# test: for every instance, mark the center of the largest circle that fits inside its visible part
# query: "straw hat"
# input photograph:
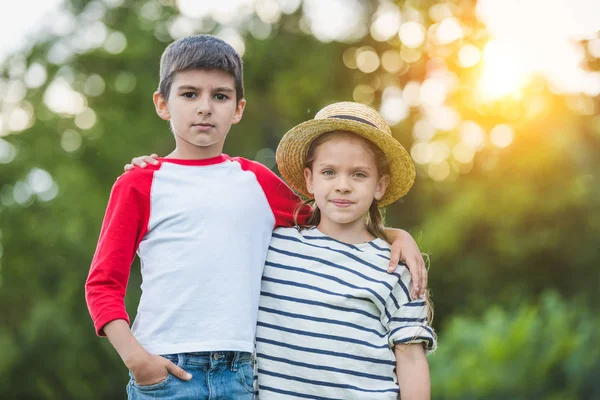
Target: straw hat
(352, 117)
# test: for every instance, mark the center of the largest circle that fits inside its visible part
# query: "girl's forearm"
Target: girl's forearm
(412, 371)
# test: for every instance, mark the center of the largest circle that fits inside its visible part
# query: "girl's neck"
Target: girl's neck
(352, 233)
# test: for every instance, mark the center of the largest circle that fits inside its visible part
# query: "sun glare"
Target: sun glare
(503, 72)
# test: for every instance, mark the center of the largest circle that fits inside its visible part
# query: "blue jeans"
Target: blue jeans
(218, 375)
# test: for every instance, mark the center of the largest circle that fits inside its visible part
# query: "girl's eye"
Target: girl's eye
(360, 175)
(221, 96)
(189, 95)
(327, 172)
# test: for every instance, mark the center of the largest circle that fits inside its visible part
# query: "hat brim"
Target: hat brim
(293, 147)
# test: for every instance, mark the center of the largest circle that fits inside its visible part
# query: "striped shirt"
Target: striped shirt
(329, 316)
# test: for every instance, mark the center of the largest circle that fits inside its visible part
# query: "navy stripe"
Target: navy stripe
(416, 339)
(295, 394)
(325, 368)
(395, 319)
(325, 352)
(321, 335)
(331, 240)
(380, 248)
(318, 303)
(328, 277)
(415, 304)
(428, 329)
(321, 290)
(326, 384)
(315, 288)
(350, 255)
(324, 320)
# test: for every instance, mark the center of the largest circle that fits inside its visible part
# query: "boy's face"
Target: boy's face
(201, 109)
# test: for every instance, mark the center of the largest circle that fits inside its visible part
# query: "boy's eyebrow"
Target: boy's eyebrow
(218, 89)
(224, 89)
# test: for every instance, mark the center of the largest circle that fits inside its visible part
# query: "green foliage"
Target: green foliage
(541, 351)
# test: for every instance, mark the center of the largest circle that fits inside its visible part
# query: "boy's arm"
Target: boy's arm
(147, 369)
(412, 370)
(124, 225)
(405, 248)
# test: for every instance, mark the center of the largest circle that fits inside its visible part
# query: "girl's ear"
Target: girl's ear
(161, 106)
(381, 187)
(308, 179)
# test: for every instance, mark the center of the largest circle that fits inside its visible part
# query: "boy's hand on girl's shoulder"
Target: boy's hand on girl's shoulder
(149, 369)
(142, 162)
(405, 248)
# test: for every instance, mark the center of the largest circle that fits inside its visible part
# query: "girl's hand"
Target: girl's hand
(142, 162)
(152, 369)
(406, 249)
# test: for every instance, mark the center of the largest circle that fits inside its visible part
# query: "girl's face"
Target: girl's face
(344, 180)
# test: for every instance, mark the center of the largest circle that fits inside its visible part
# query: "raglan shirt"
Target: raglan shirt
(201, 229)
(329, 317)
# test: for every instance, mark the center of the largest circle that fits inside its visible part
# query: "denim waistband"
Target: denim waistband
(212, 358)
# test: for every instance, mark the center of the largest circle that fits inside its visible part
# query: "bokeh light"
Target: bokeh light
(363, 94)
(386, 22)
(412, 34)
(501, 135)
(468, 56)
(393, 107)
(449, 31)
(391, 61)
(367, 59)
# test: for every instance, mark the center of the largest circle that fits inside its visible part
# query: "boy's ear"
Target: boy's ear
(161, 106)
(308, 180)
(239, 111)
(381, 187)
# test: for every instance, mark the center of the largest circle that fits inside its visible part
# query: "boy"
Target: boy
(201, 223)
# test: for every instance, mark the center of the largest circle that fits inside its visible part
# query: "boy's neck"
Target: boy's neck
(195, 154)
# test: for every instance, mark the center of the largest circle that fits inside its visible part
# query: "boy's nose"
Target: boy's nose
(203, 108)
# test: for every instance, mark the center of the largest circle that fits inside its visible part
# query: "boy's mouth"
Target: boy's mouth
(203, 127)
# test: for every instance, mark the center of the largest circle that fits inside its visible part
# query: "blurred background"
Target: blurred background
(497, 102)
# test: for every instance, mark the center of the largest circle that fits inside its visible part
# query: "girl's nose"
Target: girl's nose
(343, 185)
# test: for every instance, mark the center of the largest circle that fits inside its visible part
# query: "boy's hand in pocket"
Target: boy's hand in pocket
(152, 369)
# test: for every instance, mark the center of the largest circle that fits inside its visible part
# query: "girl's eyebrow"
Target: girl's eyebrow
(356, 167)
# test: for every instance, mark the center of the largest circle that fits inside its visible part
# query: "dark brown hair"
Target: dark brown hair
(200, 52)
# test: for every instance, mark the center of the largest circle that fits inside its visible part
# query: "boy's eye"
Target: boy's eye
(327, 172)
(189, 95)
(221, 96)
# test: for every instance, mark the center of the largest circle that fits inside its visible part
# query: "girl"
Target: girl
(333, 324)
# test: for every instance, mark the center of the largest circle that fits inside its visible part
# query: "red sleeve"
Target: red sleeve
(125, 224)
(281, 197)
